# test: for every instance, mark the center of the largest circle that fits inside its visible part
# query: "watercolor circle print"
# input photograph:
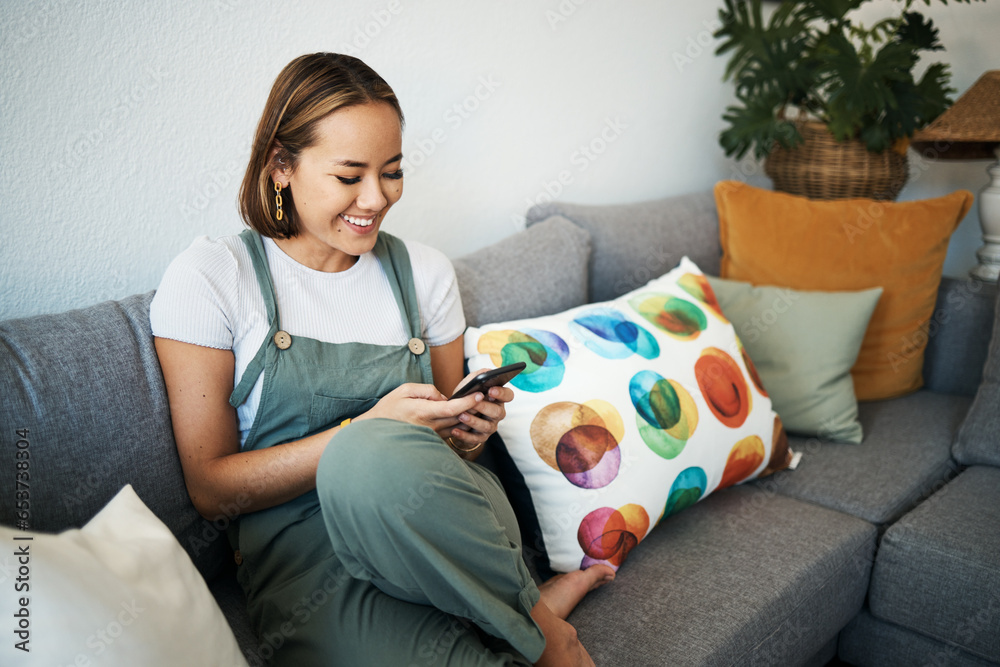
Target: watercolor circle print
(629, 411)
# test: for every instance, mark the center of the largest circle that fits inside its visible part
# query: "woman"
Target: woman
(307, 363)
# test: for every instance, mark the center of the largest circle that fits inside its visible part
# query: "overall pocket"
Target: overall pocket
(327, 411)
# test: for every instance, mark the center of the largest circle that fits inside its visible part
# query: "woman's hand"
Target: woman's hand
(480, 423)
(422, 405)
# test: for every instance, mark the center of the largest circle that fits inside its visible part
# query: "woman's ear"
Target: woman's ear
(280, 167)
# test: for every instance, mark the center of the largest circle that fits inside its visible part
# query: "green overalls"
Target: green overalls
(405, 554)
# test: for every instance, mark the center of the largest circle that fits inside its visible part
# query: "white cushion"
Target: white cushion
(628, 411)
(119, 591)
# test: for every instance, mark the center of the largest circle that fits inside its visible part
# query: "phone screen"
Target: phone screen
(492, 378)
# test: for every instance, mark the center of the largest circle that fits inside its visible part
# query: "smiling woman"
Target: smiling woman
(308, 363)
(343, 184)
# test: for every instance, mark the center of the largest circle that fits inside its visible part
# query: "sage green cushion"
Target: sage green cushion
(803, 345)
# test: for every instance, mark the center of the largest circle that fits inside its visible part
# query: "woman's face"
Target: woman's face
(343, 185)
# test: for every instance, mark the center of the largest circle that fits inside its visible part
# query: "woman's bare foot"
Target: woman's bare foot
(563, 592)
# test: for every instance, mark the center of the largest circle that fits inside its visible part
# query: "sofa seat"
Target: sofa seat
(233, 603)
(726, 587)
(905, 457)
(949, 543)
(871, 642)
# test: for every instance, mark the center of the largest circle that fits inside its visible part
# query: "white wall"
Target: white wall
(126, 129)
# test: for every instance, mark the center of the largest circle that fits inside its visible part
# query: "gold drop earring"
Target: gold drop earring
(280, 215)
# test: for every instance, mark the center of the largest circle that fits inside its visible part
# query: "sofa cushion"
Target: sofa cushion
(629, 410)
(978, 442)
(905, 457)
(869, 642)
(803, 345)
(85, 389)
(540, 271)
(120, 588)
(774, 238)
(958, 336)
(741, 578)
(937, 570)
(634, 243)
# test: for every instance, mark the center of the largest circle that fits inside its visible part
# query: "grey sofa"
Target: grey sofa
(886, 553)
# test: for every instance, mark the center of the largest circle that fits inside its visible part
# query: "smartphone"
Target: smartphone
(491, 378)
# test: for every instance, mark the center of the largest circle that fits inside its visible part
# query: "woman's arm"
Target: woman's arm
(447, 362)
(199, 381)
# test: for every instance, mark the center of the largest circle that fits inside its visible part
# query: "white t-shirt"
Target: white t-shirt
(209, 296)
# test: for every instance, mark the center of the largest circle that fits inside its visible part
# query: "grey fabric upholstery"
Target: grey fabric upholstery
(233, 604)
(634, 243)
(538, 272)
(87, 388)
(959, 336)
(905, 457)
(869, 642)
(979, 440)
(823, 656)
(938, 568)
(740, 578)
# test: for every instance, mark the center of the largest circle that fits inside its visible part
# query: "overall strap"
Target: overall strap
(256, 248)
(391, 252)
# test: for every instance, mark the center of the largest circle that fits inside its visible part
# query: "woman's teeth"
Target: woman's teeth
(360, 222)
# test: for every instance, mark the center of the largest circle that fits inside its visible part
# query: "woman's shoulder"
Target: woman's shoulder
(207, 256)
(200, 291)
(426, 259)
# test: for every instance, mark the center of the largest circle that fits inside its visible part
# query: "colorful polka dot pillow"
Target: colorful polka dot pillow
(628, 412)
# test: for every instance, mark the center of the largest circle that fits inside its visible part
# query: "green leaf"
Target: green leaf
(919, 32)
(755, 125)
(833, 10)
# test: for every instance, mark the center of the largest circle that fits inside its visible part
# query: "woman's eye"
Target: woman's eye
(395, 175)
(349, 181)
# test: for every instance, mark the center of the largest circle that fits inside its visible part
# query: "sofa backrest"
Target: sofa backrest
(82, 393)
(539, 271)
(958, 336)
(633, 243)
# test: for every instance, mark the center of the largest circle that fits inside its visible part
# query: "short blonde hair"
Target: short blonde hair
(307, 90)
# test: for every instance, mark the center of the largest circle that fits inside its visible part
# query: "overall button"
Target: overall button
(416, 346)
(283, 340)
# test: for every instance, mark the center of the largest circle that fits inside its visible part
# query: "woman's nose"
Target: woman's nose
(371, 197)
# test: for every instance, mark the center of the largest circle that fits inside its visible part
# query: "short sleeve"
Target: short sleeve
(442, 317)
(197, 298)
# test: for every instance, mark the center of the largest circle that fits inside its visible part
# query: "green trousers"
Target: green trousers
(414, 559)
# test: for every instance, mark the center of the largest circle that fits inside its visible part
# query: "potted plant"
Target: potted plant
(828, 102)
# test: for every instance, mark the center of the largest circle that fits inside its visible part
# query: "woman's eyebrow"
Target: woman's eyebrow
(363, 165)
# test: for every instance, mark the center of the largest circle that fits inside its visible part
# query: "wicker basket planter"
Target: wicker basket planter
(823, 168)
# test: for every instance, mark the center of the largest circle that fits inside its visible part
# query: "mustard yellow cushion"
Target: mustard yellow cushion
(773, 238)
